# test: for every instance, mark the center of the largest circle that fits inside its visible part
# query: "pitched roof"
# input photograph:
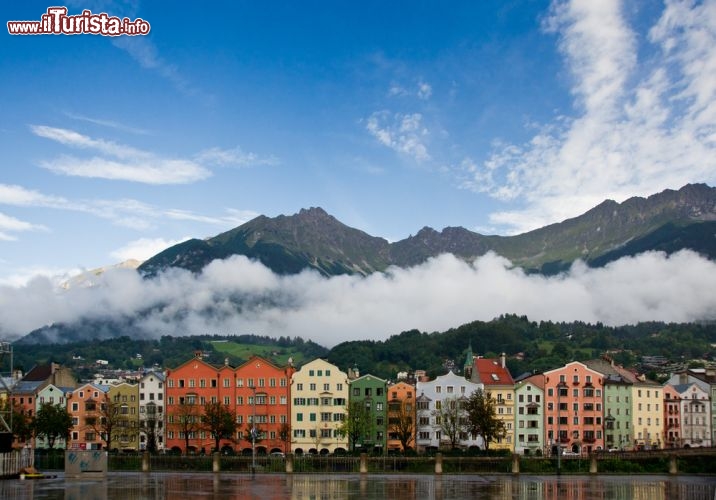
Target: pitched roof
(491, 372)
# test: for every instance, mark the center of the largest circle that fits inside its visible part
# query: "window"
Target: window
(326, 387)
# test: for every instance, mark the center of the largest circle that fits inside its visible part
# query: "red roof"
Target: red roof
(491, 372)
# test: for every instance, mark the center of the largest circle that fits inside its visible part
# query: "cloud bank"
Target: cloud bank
(239, 296)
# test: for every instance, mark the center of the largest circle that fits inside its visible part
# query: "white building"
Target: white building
(151, 409)
(695, 415)
(431, 396)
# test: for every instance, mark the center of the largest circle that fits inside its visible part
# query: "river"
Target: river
(226, 486)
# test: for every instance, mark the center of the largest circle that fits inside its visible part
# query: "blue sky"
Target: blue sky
(493, 115)
(497, 116)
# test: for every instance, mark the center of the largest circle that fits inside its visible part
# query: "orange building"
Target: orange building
(189, 387)
(269, 401)
(86, 405)
(573, 414)
(401, 415)
(257, 387)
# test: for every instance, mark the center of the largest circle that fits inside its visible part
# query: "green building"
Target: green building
(368, 413)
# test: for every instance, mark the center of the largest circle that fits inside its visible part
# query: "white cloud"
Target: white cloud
(641, 126)
(404, 133)
(442, 293)
(149, 171)
(233, 158)
(134, 165)
(125, 212)
(11, 194)
(107, 123)
(425, 90)
(422, 90)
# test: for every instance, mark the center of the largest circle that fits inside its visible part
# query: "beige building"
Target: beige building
(647, 414)
(319, 392)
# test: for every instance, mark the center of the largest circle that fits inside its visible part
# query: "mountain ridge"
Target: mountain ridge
(314, 239)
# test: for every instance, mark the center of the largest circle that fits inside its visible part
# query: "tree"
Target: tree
(52, 422)
(482, 417)
(450, 417)
(219, 422)
(284, 434)
(401, 422)
(111, 423)
(22, 427)
(357, 423)
(149, 426)
(186, 419)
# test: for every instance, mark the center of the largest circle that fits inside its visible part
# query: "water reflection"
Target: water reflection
(120, 486)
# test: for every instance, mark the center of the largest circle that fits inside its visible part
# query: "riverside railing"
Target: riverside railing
(13, 462)
(647, 463)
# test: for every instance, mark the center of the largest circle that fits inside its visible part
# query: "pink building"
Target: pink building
(573, 413)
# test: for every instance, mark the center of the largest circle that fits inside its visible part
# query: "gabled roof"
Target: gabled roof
(27, 386)
(38, 373)
(537, 380)
(491, 373)
(369, 378)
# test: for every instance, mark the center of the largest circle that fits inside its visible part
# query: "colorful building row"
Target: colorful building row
(580, 407)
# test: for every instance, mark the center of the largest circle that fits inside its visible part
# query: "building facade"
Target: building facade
(433, 396)
(573, 394)
(151, 411)
(401, 417)
(122, 415)
(529, 416)
(319, 392)
(86, 405)
(695, 410)
(52, 395)
(672, 417)
(498, 383)
(263, 401)
(368, 399)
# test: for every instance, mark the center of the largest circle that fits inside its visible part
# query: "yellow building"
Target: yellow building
(319, 392)
(498, 382)
(122, 416)
(647, 414)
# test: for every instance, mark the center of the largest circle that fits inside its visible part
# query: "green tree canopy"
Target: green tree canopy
(219, 422)
(52, 422)
(482, 417)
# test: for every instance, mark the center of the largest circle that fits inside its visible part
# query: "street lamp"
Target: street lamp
(253, 432)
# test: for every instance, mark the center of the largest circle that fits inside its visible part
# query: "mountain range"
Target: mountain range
(668, 221)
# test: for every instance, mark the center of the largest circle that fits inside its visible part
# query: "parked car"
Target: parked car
(570, 454)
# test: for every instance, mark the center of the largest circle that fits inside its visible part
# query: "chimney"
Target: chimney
(226, 361)
(502, 360)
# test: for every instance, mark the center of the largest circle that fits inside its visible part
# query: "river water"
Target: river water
(226, 486)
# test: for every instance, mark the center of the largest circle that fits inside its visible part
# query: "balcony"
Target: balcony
(589, 440)
(564, 439)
